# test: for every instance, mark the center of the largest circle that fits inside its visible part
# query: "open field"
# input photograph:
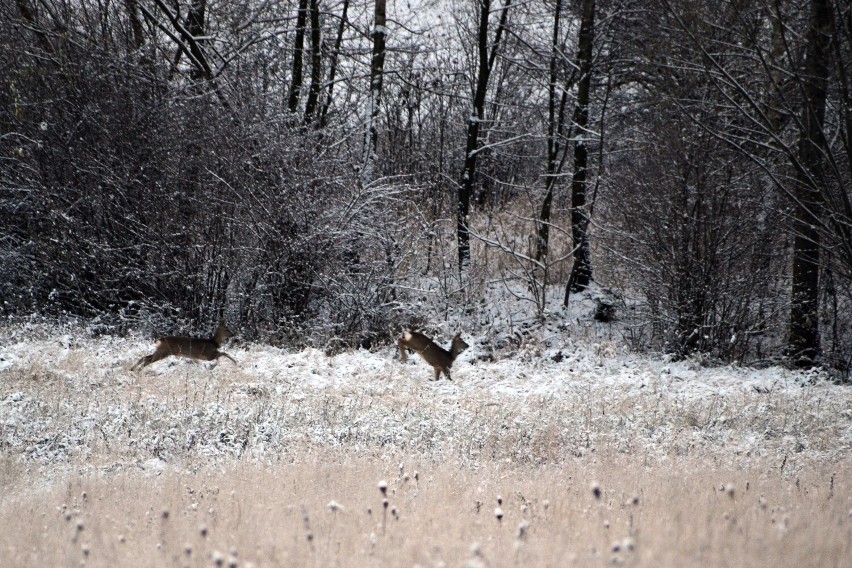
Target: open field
(278, 461)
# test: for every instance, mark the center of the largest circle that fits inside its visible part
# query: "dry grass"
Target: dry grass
(184, 465)
(326, 509)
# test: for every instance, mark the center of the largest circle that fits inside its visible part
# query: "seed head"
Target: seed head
(596, 490)
(383, 487)
(498, 512)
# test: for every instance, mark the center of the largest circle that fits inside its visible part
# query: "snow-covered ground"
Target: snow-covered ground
(71, 400)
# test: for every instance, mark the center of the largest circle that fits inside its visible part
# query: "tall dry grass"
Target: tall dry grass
(277, 462)
(326, 509)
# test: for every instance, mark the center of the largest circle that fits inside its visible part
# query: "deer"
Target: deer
(431, 352)
(191, 347)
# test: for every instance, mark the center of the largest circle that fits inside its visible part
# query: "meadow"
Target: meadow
(558, 452)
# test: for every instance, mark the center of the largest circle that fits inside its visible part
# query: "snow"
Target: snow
(520, 393)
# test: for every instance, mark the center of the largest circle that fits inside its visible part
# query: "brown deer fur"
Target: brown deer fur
(432, 353)
(190, 347)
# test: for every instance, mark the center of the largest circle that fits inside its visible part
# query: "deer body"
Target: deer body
(190, 347)
(440, 359)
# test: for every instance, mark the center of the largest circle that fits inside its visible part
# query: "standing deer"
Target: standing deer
(432, 353)
(191, 347)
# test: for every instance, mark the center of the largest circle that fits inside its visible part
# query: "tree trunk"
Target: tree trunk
(555, 125)
(472, 143)
(804, 341)
(316, 63)
(135, 24)
(377, 66)
(298, 53)
(581, 272)
(194, 28)
(332, 72)
(195, 21)
(477, 117)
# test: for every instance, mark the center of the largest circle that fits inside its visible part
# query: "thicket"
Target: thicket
(157, 173)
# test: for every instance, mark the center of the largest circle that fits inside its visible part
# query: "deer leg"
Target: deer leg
(228, 357)
(148, 359)
(403, 352)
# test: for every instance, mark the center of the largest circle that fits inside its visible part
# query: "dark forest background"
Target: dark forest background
(329, 171)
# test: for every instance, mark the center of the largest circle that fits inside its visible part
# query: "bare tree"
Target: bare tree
(298, 54)
(485, 56)
(803, 341)
(556, 102)
(581, 272)
(377, 66)
(332, 71)
(316, 63)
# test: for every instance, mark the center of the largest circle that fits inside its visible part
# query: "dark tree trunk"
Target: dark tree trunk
(30, 15)
(298, 54)
(135, 24)
(555, 126)
(474, 124)
(332, 72)
(581, 272)
(472, 144)
(316, 64)
(377, 66)
(804, 340)
(187, 37)
(195, 26)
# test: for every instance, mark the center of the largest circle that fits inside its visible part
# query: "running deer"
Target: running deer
(190, 347)
(432, 353)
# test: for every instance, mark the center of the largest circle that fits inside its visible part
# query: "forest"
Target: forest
(328, 172)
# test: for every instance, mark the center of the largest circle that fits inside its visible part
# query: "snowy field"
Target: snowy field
(551, 414)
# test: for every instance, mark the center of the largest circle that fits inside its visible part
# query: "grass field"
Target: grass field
(594, 457)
